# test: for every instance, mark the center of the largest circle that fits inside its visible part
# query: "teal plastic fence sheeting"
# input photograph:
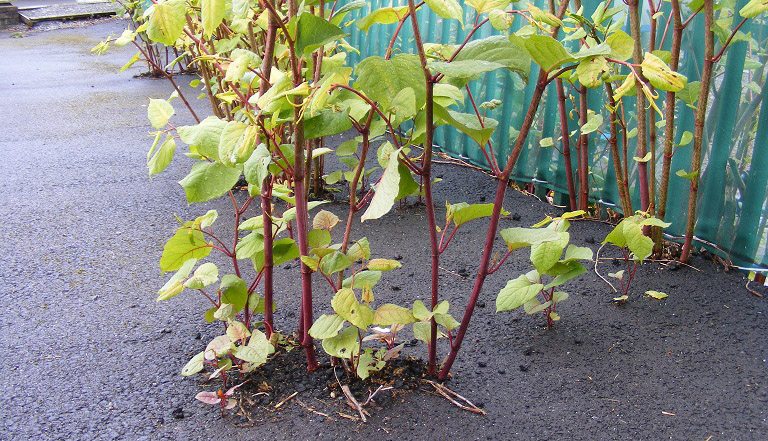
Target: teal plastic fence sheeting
(732, 213)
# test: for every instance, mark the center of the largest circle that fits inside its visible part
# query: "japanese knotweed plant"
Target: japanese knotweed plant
(634, 245)
(276, 77)
(555, 262)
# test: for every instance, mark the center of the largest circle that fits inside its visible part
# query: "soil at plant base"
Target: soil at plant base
(87, 354)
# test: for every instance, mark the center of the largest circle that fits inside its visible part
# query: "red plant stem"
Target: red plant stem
(213, 236)
(728, 41)
(490, 159)
(583, 152)
(266, 186)
(169, 76)
(236, 233)
(443, 246)
(566, 140)
(669, 129)
(299, 192)
(642, 167)
(426, 175)
(493, 225)
(698, 133)
(209, 298)
(652, 125)
(621, 182)
(498, 265)
(353, 187)
(400, 24)
(404, 159)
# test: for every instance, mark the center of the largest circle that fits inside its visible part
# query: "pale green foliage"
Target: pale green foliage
(552, 268)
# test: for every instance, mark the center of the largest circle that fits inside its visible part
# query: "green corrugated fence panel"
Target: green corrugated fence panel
(732, 211)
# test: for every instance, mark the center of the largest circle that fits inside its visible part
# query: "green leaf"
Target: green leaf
(237, 142)
(225, 312)
(234, 291)
(236, 331)
(256, 168)
(517, 292)
(212, 13)
(483, 6)
(241, 60)
(497, 49)
(326, 326)
(194, 365)
(474, 211)
(661, 75)
(468, 124)
(686, 138)
(593, 51)
(347, 148)
(367, 363)
(257, 350)
(627, 88)
(382, 16)
(423, 331)
(446, 321)
(754, 8)
(334, 263)
(176, 283)
(594, 121)
(547, 52)
(645, 158)
(283, 250)
(343, 345)
(577, 253)
(203, 138)
(389, 314)
(383, 264)
(559, 296)
(420, 311)
(319, 238)
(249, 246)
(450, 9)
(544, 255)
(360, 250)
(517, 237)
(500, 20)
(167, 21)
(346, 305)
(386, 190)
(629, 233)
(185, 244)
(381, 80)
(685, 175)
(206, 274)
(690, 93)
(622, 45)
(326, 122)
(658, 295)
(209, 180)
(362, 280)
(567, 271)
(314, 32)
(590, 72)
(159, 112)
(655, 222)
(325, 220)
(160, 160)
(347, 8)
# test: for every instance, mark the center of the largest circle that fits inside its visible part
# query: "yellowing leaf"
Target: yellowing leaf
(657, 294)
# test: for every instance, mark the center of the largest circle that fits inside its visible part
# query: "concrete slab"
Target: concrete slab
(68, 11)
